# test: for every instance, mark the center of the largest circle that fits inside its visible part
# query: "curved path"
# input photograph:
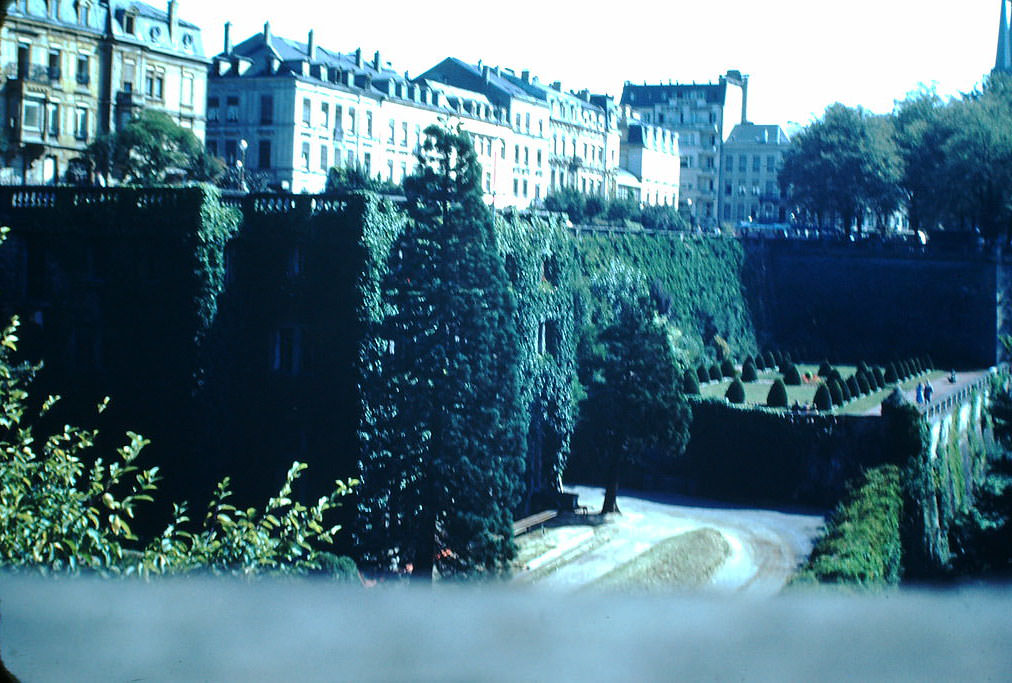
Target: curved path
(765, 546)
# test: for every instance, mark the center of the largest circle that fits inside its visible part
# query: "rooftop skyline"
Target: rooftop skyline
(800, 57)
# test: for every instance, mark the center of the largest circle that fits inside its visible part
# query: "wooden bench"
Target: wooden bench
(522, 526)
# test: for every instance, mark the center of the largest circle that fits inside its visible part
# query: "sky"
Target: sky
(800, 55)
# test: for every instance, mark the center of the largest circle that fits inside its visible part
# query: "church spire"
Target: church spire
(1003, 59)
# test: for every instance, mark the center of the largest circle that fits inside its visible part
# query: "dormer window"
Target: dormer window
(128, 23)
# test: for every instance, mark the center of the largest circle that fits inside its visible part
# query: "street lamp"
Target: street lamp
(243, 146)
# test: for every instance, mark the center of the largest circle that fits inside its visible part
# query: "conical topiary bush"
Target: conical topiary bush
(791, 375)
(690, 383)
(748, 372)
(823, 399)
(777, 398)
(735, 392)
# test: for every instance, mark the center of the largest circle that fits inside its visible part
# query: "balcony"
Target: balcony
(34, 73)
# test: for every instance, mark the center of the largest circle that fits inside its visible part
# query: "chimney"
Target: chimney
(267, 32)
(228, 37)
(173, 19)
(358, 57)
(376, 63)
(311, 47)
(557, 85)
(525, 76)
(744, 99)
(486, 73)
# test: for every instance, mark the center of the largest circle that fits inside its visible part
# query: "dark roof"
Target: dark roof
(753, 133)
(496, 86)
(146, 10)
(639, 95)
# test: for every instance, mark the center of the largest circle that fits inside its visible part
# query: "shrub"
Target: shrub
(771, 360)
(824, 369)
(593, 207)
(862, 368)
(703, 374)
(891, 375)
(853, 386)
(823, 399)
(863, 383)
(690, 383)
(760, 362)
(727, 368)
(748, 372)
(905, 370)
(787, 357)
(835, 393)
(879, 376)
(844, 390)
(735, 392)
(620, 210)
(929, 364)
(777, 398)
(778, 358)
(791, 375)
(835, 374)
(662, 218)
(748, 359)
(715, 373)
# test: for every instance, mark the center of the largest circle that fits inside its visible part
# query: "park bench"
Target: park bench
(522, 526)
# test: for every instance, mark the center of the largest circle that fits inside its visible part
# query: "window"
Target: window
(729, 162)
(81, 123)
(307, 111)
(350, 159)
(31, 119)
(232, 108)
(771, 163)
(518, 121)
(266, 109)
(525, 188)
(325, 115)
(516, 187)
(742, 163)
(391, 132)
(404, 134)
(351, 120)
(154, 84)
(527, 156)
(367, 163)
(305, 155)
(488, 181)
(728, 189)
(128, 24)
(390, 171)
(186, 97)
(230, 151)
(263, 154)
(129, 75)
(53, 118)
(212, 108)
(516, 154)
(539, 158)
(756, 160)
(541, 127)
(368, 124)
(323, 158)
(212, 148)
(527, 122)
(404, 170)
(338, 120)
(55, 57)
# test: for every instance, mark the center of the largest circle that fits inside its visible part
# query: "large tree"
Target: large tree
(150, 148)
(444, 452)
(634, 410)
(843, 166)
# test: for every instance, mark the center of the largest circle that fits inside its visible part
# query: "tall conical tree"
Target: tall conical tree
(442, 463)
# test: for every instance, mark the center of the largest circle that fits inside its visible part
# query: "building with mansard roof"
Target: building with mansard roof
(753, 157)
(73, 69)
(301, 109)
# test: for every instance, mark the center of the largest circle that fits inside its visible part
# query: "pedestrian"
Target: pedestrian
(952, 376)
(928, 392)
(920, 393)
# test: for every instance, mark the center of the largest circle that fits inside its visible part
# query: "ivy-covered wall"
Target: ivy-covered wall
(699, 280)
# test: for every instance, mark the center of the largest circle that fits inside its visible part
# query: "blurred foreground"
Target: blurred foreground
(219, 630)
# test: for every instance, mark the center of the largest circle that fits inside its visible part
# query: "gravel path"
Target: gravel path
(766, 546)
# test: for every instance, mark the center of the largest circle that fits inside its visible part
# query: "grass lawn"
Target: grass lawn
(756, 392)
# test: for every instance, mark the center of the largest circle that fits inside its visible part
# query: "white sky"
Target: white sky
(801, 55)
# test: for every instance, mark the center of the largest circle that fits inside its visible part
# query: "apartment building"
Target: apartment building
(73, 69)
(703, 115)
(753, 157)
(649, 162)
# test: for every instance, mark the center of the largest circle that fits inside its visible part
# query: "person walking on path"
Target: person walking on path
(928, 391)
(920, 392)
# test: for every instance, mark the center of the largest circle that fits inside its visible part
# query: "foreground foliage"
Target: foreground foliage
(59, 514)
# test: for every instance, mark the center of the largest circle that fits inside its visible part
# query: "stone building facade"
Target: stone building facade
(703, 115)
(73, 69)
(753, 157)
(649, 162)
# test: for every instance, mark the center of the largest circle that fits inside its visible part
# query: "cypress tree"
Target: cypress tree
(777, 398)
(441, 470)
(891, 375)
(853, 387)
(824, 369)
(715, 373)
(823, 399)
(748, 372)
(735, 392)
(863, 384)
(791, 375)
(727, 368)
(835, 392)
(760, 362)
(702, 374)
(879, 376)
(690, 383)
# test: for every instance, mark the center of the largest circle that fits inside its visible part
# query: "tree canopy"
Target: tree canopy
(149, 149)
(441, 470)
